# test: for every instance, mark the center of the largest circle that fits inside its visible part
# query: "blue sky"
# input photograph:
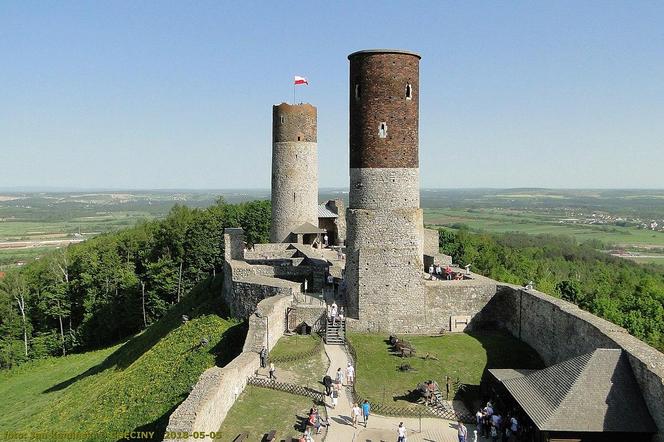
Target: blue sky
(157, 94)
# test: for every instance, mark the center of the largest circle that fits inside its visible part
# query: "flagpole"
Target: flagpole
(293, 91)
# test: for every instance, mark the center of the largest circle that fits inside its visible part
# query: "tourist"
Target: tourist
(474, 435)
(401, 433)
(479, 416)
(494, 434)
(326, 240)
(366, 409)
(514, 426)
(448, 272)
(263, 356)
(431, 269)
(355, 414)
(350, 374)
(439, 270)
(333, 312)
(462, 431)
(335, 395)
(272, 372)
(330, 280)
(340, 377)
(327, 382)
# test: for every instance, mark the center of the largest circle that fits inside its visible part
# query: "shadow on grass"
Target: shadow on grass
(201, 300)
(502, 351)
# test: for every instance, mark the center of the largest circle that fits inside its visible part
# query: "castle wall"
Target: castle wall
(559, 330)
(217, 388)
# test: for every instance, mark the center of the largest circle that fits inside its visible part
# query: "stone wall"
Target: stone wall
(384, 188)
(217, 388)
(248, 292)
(559, 330)
(294, 188)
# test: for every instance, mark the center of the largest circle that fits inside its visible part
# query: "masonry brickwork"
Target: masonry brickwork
(294, 170)
(384, 220)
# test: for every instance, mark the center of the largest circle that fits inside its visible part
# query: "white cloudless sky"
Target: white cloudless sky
(128, 94)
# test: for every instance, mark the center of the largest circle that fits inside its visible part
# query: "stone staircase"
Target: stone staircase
(335, 334)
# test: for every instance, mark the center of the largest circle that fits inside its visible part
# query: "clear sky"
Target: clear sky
(157, 94)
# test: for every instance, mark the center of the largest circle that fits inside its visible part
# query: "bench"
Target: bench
(241, 437)
(271, 436)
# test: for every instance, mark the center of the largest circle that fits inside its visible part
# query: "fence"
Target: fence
(404, 410)
(317, 396)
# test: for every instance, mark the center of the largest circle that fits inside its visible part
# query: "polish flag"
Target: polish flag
(301, 80)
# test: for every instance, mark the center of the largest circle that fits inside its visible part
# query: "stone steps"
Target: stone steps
(335, 334)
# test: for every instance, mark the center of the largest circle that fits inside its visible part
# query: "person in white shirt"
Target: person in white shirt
(355, 413)
(401, 433)
(350, 374)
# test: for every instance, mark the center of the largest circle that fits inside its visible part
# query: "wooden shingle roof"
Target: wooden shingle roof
(594, 392)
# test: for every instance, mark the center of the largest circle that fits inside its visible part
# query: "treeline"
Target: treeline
(109, 287)
(616, 289)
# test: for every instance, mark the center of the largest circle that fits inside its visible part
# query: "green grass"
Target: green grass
(259, 410)
(503, 221)
(294, 345)
(462, 356)
(132, 386)
(308, 371)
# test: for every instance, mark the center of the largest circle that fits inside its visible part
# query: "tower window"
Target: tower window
(382, 130)
(409, 92)
(358, 91)
(298, 138)
(282, 119)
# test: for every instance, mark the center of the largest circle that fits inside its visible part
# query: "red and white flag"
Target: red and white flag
(301, 80)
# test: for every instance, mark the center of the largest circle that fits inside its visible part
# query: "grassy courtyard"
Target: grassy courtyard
(462, 356)
(259, 410)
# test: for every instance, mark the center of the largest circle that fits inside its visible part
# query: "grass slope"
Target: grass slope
(132, 386)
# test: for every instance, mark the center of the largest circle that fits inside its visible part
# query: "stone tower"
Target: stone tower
(294, 170)
(384, 221)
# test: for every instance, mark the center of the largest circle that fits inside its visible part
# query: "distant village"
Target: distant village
(602, 218)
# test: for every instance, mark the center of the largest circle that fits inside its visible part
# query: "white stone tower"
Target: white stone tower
(294, 170)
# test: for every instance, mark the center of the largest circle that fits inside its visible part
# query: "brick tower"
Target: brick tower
(294, 170)
(384, 220)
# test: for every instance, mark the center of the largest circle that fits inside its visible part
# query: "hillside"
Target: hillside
(131, 386)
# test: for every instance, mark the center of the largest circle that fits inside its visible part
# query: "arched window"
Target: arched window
(382, 130)
(282, 119)
(409, 92)
(358, 91)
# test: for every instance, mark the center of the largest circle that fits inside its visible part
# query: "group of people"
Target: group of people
(447, 273)
(333, 387)
(491, 424)
(314, 422)
(334, 312)
(360, 410)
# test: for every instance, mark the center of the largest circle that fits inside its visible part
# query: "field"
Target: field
(32, 223)
(498, 220)
(129, 387)
(462, 356)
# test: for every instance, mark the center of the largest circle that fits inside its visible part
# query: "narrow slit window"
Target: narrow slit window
(409, 92)
(298, 138)
(358, 91)
(282, 119)
(382, 130)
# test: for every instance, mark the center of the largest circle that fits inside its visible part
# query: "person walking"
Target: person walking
(366, 409)
(272, 371)
(263, 356)
(401, 433)
(350, 374)
(327, 382)
(355, 414)
(340, 377)
(335, 395)
(462, 431)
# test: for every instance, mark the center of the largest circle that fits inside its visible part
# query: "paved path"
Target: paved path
(379, 428)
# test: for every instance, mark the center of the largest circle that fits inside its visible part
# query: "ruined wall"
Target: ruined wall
(559, 330)
(217, 388)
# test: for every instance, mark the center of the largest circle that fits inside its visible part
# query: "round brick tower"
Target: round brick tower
(294, 169)
(384, 220)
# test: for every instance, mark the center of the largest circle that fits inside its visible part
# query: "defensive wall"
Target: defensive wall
(217, 388)
(559, 330)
